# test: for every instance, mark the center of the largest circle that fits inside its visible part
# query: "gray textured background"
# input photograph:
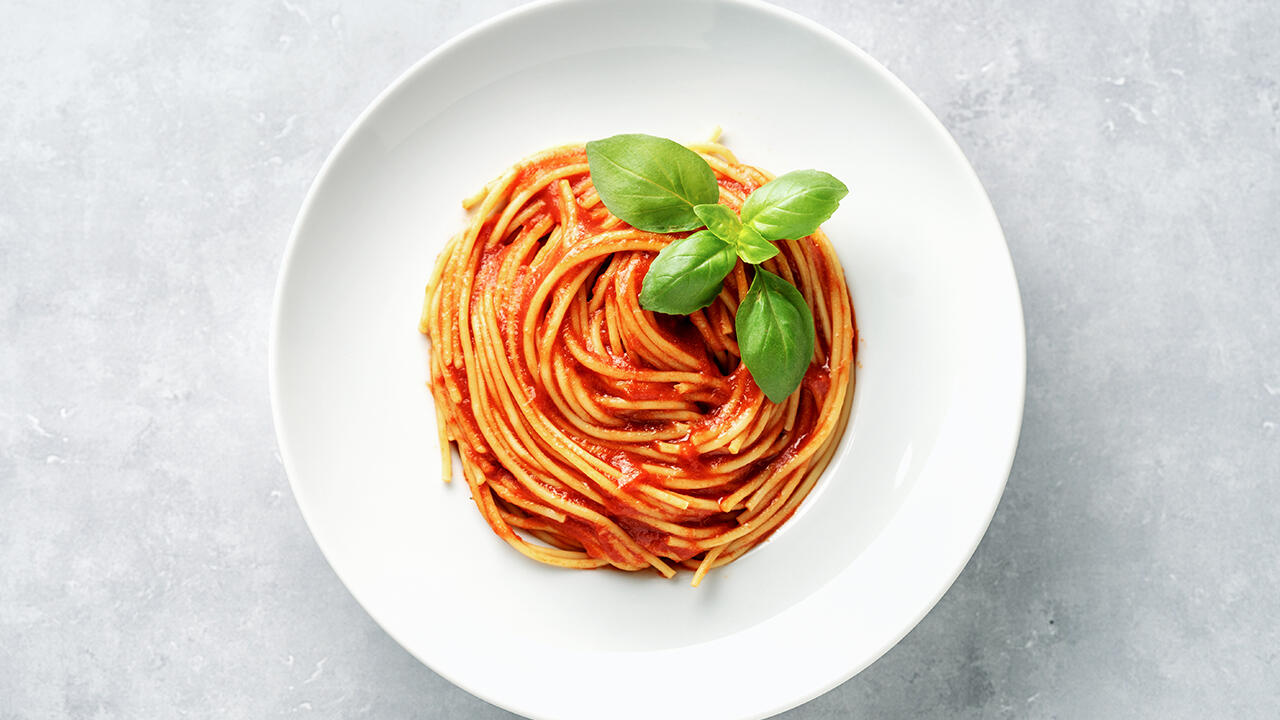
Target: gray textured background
(154, 564)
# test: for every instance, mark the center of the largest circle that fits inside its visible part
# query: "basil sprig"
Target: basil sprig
(661, 186)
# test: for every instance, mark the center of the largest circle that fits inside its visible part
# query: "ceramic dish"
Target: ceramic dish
(913, 485)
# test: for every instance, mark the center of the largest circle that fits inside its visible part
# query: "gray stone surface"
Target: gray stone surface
(154, 564)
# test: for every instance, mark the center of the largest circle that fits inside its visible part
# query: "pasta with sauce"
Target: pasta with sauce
(595, 433)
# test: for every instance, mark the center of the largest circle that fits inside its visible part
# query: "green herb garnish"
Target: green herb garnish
(661, 186)
(779, 344)
(687, 274)
(651, 182)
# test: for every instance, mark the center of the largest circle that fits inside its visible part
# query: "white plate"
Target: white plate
(895, 517)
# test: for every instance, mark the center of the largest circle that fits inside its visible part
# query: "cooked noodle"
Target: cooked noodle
(593, 432)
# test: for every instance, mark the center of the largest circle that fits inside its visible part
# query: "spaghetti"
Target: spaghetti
(592, 432)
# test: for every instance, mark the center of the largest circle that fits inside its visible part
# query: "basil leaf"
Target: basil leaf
(720, 220)
(748, 243)
(687, 274)
(651, 182)
(775, 335)
(793, 205)
(752, 247)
